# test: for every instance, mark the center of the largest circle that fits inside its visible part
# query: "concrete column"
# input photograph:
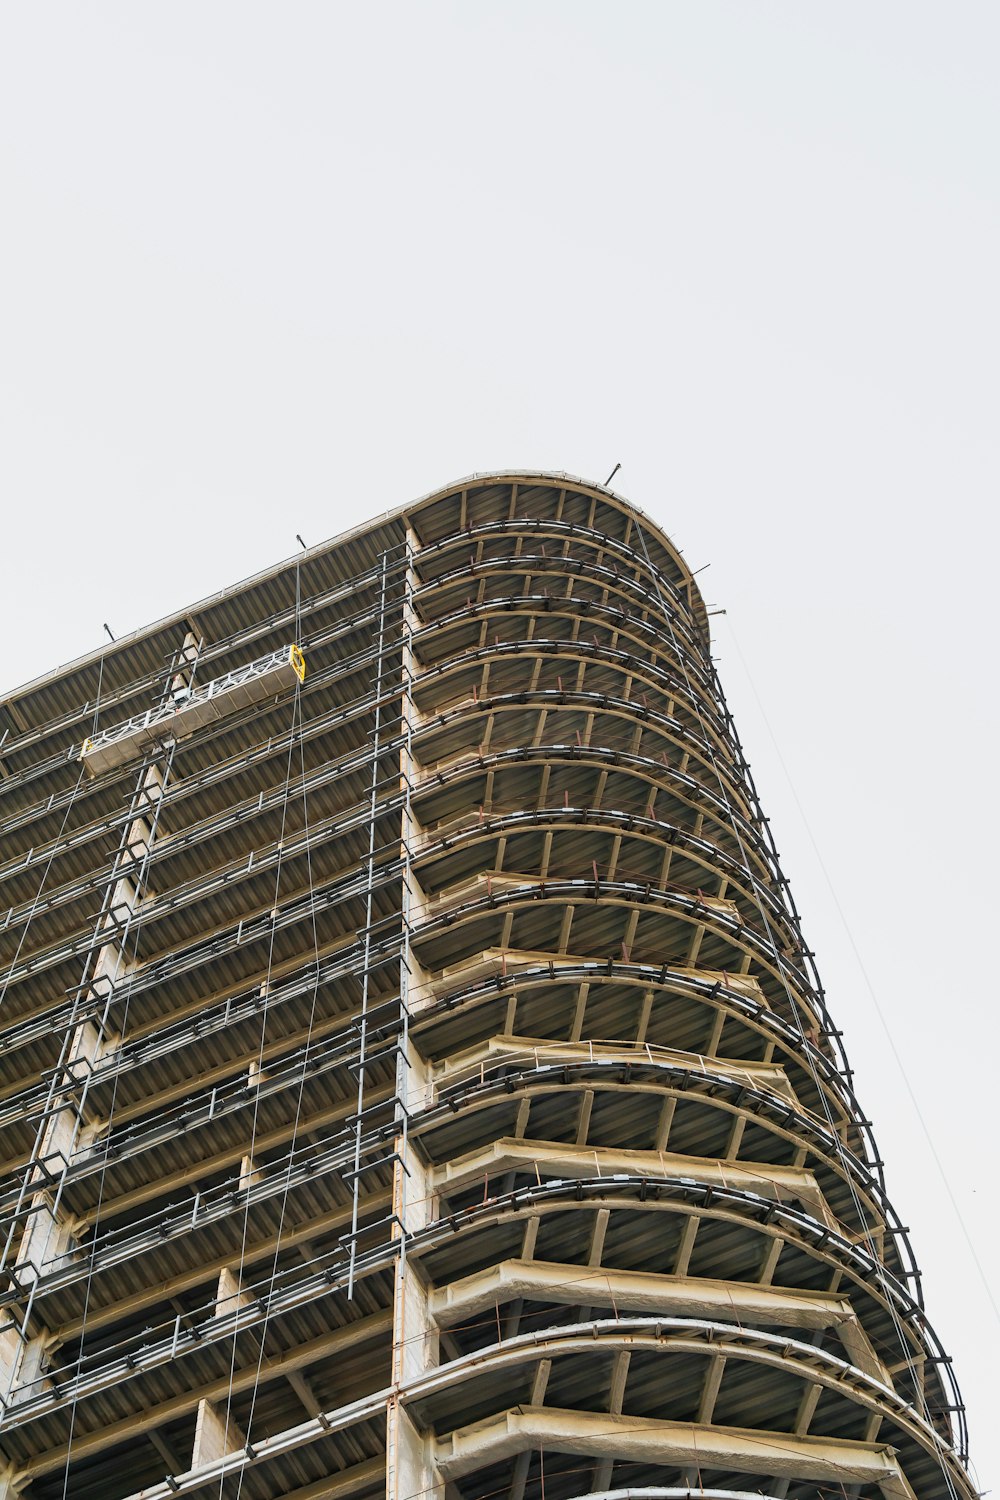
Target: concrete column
(214, 1435)
(410, 1470)
(419, 903)
(229, 1294)
(420, 988)
(180, 683)
(11, 1484)
(409, 1466)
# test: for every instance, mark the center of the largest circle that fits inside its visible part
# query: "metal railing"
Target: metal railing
(165, 713)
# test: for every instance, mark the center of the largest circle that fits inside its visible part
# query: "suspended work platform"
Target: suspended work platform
(188, 710)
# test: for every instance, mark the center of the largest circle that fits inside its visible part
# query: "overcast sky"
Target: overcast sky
(270, 269)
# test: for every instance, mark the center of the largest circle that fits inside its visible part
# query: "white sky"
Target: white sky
(274, 268)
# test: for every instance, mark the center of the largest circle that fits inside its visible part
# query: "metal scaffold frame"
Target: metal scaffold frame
(106, 963)
(418, 1082)
(362, 1062)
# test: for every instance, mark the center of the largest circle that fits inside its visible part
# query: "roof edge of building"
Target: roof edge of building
(399, 512)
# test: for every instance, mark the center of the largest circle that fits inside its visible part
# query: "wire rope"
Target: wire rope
(296, 713)
(298, 716)
(3, 993)
(859, 1210)
(79, 1113)
(56, 841)
(50, 1095)
(302, 1081)
(869, 985)
(41, 887)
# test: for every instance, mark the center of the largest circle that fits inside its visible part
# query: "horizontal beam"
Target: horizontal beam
(645, 1440)
(548, 1053)
(649, 1292)
(555, 1159)
(347, 1482)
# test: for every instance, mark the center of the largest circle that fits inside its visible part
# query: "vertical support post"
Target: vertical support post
(365, 978)
(403, 1060)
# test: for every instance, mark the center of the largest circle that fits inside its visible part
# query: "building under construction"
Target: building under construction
(414, 1080)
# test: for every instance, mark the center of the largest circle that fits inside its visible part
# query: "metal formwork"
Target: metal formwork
(414, 1078)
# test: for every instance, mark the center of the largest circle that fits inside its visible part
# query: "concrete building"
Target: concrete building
(414, 1080)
